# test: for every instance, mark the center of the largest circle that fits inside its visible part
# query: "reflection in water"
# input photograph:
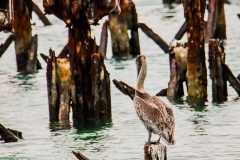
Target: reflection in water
(57, 126)
(90, 126)
(25, 81)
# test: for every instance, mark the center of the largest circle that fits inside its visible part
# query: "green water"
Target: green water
(203, 131)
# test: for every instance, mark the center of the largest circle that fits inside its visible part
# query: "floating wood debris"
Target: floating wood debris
(79, 156)
(9, 135)
(4, 47)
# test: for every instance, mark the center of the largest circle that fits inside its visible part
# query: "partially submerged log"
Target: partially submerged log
(234, 82)
(125, 88)
(156, 38)
(196, 67)
(79, 156)
(9, 135)
(130, 91)
(40, 14)
(216, 60)
(155, 152)
(4, 47)
(178, 68)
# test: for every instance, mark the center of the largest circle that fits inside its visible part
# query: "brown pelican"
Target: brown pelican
(156, 115)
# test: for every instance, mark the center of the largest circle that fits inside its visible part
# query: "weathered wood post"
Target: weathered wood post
(212, 19)
(59, 87)
(216, 23)
(90, 90)
(155, 152)
(178, 69)
(119, 25)
(216, 60)
(196, 65)
(220, 31)
(9, 135)
(25, 44)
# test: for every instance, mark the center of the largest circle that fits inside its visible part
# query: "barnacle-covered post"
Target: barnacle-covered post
(196, 65)
(122, 45)
(90, 94)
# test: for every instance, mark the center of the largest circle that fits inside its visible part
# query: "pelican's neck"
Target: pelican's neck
(141, 78)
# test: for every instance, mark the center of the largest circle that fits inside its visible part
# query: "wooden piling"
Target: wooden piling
(216, 60)
(212, 19)
(220, 31)
(155, 152)
(196, 65)
(52, 87)
(118, 25)
(23, 32)
(216, 23)
(90, 85)
(122, 45)
(178, 69)
(25, 44)
(59, 87)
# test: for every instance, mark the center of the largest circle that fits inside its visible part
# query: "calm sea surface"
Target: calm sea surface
(207, 131)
